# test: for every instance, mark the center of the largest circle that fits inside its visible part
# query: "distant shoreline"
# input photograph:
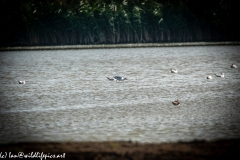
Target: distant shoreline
(103, 46)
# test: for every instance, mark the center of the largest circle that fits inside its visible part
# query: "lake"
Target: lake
(67, 96)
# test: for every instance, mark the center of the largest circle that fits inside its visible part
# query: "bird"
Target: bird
(21, 82)
(174, 71)
(117, 78)
(220, 75)
(233, 66)
(209, 77)
(176, 103)
(110, 79)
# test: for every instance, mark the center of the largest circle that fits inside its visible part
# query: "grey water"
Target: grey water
(67, 96)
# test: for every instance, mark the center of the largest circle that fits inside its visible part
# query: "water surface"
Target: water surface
(67, 96)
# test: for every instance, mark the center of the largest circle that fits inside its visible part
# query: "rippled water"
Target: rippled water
(67, 96)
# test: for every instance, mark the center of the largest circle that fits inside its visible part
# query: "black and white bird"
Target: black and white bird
(209, 77)
(117, 78)
(220, 75)
(21, 82)
(233, 66)
(174, 71)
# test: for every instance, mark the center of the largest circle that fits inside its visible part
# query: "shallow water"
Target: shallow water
(67, 96)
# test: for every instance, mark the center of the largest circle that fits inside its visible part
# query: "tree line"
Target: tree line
(71, 22)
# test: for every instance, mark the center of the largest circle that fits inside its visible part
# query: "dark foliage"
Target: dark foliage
(68, 22)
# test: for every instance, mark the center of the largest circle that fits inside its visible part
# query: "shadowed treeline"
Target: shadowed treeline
(71, 22)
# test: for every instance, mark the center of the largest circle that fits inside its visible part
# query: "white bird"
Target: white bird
(176, 103)
(21, 82)
(174, 71)
(220, 75)
(209, 77)
(117, 78)
(233, 66)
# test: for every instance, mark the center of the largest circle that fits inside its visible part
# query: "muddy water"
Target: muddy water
(67, 96)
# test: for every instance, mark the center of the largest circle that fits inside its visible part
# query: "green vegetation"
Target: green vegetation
(66, 22)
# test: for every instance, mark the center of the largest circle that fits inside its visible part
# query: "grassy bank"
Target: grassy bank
(197, 150)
